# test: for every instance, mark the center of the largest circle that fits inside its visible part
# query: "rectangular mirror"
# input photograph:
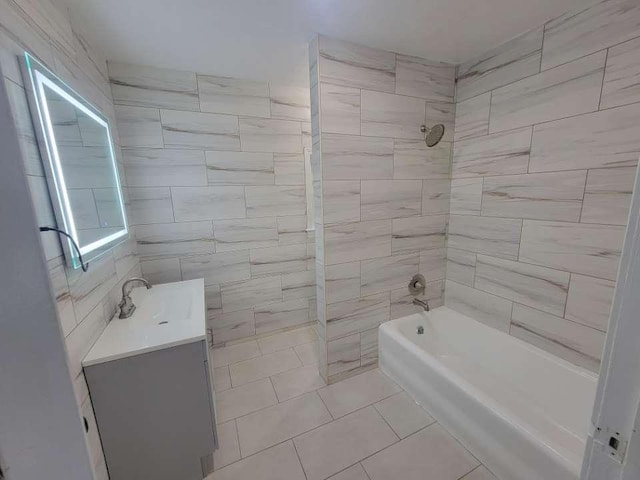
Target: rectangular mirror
(80, 162)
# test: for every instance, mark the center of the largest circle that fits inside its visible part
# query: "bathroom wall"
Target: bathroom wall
(217, 191)
(547, 139)
(381, 196)
(85, 301)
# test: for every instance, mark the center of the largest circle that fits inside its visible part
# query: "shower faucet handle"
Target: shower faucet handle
(417, 285)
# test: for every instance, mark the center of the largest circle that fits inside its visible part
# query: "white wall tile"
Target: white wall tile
(343, 354)
(250, 293)
(245, 233)
(200, 130)
(270, 201)
(466, 196)
(432, 81)
(174, 239)
(484, 307)
(341, 201)
(139, 127)
(389, 115)
(342, 282)
(217, 268)
(566, 90)
(387, 273)
(607, 196)
(412, 234)
(240, 168)
(472, 117)
(499, 237)
(413, 159)
(273, 260)
(622, 75)
(578, 248)
(270, 135)
(461, 266)
(589, 301)
(433, 263)
(340, 109)
(155, 167)
(289, 168)
(150, 205)
(286, 314)
(390, 199)
(234, 96)
(357, 241)
(348, 157)
(290, 103)
(358, 315)
(207, 203)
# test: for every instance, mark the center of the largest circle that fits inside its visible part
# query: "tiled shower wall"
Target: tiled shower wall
(85, 301)
(547, 139)
(217, 191)
(381, 196)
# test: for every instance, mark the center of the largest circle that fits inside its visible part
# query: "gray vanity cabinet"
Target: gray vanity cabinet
(155, 413)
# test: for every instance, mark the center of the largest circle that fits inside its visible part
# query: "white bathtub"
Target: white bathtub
(523, 412)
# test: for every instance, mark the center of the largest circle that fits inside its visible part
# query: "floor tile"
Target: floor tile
(333, 447)
(235, 353)
(430, 450)
(280, 341)
(480, 473)
(357, 392)
(277, 463)
(403, 414)
(221, 379)
(246, 399)
(264, 366)
(281, 422)
(356, 472)
(229, 450)
(296, 382)
(308, 353)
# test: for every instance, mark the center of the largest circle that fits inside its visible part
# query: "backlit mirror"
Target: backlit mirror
(78, 154)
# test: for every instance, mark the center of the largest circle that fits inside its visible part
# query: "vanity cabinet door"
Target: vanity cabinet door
(155, 413)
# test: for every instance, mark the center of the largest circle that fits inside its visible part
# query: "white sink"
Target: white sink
(167, 315)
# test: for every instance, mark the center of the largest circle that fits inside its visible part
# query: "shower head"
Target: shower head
(432, 135)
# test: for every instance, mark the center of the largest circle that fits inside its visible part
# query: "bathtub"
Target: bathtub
(522, 412)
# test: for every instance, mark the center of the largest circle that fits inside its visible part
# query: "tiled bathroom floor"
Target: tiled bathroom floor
(279, 421)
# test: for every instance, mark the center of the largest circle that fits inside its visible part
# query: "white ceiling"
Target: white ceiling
(267, 39)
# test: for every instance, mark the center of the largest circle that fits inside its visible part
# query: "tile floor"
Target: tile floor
(279, 421)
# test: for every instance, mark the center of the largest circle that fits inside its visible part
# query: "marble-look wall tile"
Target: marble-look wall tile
(413, 234)
(341, 202)
(150, 205)
(340, 109)
(498, 154)
(544, 196)
(610, 138)
(433, 263)
(514, 60)
(213, 301)
(139, 127)
(433, 81)
(390, 115)
(174, 239)
(82, 338)
(273, 260)
(435, 196)
(275, 200)
(89, 289)
(579, 248)
(289, 103)
(472, 117)
(289, 168)
(466, 196)
(354, 316)
(145, 86)
(245, 233)
(589, 301)
(498, 237)
(413, 159)
(240, 168)
(622, 75)
(391, 198)
(369, 347)
(348, 157)
(299, 285)
(161, 270)
(357, 241)
(217, 268)
(461, 266)
(200, 130)
(352, 65)
(342, 282)
(234, 96)
(484, 307)
(207, 203)
(343, 354)
(580, 32)
(250, 293)
(573, 342)
(388, 273)
(569, 89)
(538, 287)
(62, 295)
(270, 135)
(155, 167)
(276, 316)
(233, 326)
(292, 229)
(607, 196)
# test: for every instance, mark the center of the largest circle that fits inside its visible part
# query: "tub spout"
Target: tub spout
(422, 304)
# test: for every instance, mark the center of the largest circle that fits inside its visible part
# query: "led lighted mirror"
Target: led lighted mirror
(77, 151)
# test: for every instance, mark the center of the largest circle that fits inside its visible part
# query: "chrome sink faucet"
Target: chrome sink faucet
(126, 305)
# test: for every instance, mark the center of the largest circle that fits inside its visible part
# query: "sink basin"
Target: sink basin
(167, 315)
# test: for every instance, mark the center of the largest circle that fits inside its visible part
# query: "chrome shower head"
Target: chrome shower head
(433, 135)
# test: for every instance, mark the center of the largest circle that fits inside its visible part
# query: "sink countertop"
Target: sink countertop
(180, 304)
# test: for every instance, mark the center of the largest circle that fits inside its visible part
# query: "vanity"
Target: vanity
(150, 383)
